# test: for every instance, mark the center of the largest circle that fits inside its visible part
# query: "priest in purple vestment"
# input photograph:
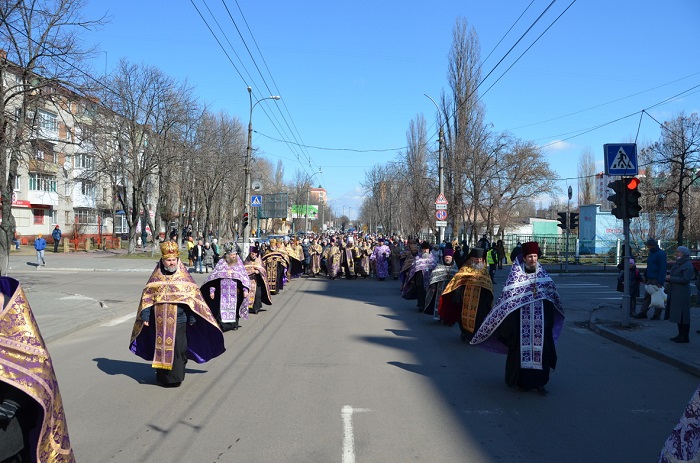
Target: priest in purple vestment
(380, 256)
(226, 290)
(173, 323)
(418, 278)
(525, 323)
(32, 422)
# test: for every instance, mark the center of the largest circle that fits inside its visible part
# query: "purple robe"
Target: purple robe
(525, 292)
(231, 276)
(204, 338)
(380, 256)
(423, 263)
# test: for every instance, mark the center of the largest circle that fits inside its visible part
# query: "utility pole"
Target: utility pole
(568, 232)
(441, 181)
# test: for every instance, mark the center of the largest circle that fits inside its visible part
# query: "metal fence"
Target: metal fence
(594, 252)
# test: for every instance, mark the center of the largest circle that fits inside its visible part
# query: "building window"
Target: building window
(43, 151)
(48, 122)
(54, 216)
(84, 161)
(67, 218)
(18, 183)
(120, 225)
(87, 188)
(38, 216)
(85, 216)
(41, 182)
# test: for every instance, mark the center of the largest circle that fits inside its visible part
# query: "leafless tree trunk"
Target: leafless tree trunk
(677, 157)
(41, 59)
(586, 178)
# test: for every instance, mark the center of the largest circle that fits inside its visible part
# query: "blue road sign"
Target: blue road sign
(256, 200)
(621, 159)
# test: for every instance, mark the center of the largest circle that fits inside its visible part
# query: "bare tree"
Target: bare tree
(145, 107)
(677, 158)
(586, 177)
(419, 191)
(39, 63)
(466, 133)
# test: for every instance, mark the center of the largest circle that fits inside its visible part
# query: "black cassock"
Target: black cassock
(509, 334)
(215, 304)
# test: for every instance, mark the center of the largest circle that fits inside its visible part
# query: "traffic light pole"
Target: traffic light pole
(626, 302)
(626, 299)
(568, 233)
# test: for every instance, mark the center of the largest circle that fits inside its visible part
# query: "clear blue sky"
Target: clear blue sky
(353, 74)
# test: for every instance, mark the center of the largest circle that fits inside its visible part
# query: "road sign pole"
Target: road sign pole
(626, 299)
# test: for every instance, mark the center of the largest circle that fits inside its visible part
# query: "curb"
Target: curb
(674, 362)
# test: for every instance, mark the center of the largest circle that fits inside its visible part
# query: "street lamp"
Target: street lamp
(308, 192)
(248, 160)
(441, 185)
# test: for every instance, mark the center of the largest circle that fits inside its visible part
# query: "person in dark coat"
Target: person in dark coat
(517, 250)
(654, 275)
(678, 289)
(635, 278)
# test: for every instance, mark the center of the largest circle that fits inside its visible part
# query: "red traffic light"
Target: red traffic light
(245, 215)
(633, 183)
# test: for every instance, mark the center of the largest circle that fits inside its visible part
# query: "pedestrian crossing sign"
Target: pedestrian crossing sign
(256, 200)
(621, 159)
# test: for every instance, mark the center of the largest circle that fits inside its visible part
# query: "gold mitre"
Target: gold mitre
(273, 242)
(169, 249)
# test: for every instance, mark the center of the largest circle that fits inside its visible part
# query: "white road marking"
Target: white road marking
(76, 297)
(118, 321)
(348, 434)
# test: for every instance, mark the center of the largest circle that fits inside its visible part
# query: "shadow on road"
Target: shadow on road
(141, 372)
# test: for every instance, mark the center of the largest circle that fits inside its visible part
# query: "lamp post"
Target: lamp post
(441, 184)
(248, 160)
(306, 210)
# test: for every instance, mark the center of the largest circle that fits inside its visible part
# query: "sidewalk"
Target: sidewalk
(112, 260)
(652, 337)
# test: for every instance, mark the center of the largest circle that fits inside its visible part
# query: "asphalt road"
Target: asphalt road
(343, 371)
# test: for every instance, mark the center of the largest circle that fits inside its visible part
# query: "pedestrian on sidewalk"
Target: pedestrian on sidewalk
(678, 303)
(40, 245)
(654, 275)
(56, 235)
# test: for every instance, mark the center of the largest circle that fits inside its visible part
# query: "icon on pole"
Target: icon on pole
(621, 159)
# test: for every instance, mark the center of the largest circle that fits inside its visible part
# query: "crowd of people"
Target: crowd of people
(450, 282)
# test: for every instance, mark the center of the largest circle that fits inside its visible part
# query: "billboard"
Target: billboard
(274, 206)
(299, 211)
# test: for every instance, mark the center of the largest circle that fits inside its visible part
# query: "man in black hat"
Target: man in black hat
(525, 323)
(655, 275)
(468, 297)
